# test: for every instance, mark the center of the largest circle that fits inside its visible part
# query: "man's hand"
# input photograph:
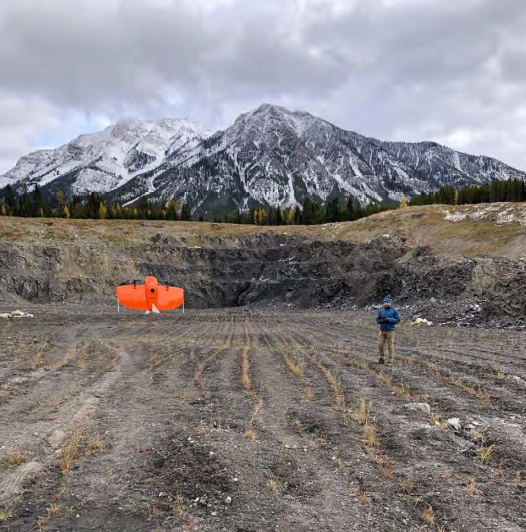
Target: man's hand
(382, 320)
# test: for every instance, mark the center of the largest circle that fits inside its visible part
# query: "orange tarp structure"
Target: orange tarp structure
(150, 296)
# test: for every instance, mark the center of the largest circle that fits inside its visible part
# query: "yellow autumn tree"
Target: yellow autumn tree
(102, 211)
(66, 212)
(3, 210)
(292, 213)
(403, 203)
(262, 215)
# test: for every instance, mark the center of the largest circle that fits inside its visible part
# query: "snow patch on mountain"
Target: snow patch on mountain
(269, 156)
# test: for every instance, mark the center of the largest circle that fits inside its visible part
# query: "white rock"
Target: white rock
(417, 407)
(453, 423)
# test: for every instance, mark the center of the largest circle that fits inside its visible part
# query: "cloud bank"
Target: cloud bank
(449, 71)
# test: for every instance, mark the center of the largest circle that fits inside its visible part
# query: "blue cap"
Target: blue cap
(388, 299)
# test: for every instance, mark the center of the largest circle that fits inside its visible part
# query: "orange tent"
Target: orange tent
(150, 296)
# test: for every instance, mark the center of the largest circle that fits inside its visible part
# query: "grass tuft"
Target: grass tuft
(272, 485)
(428, 515)
(15, 458)
(178, 506)
(485, 453)
(371, 436)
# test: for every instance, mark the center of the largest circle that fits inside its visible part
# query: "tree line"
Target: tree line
(33, 204)
(92, 206)
(498, 190)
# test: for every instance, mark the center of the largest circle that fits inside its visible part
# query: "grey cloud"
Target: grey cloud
(404, 69)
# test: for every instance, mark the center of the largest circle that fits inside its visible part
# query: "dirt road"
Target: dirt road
(238, 422)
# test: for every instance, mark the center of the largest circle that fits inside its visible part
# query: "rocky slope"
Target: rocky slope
(269, 156)
(221, 266)
(106, 160)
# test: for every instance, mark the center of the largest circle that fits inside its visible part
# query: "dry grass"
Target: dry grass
(95, 443)
(385, 465)
(362, 411)
(518, 478)
(246, 378)
(406, 486)
(70, 451)
(370, 436)
(308, 394)
(15, 458)
(472, 488)
(338, 395)
(4, 516)
(38, 355)
(41, 523)
(249, 428)
(153, 510)
(485, 453)
(204, 364)
(178, 506)
(249, 434)
(428, 515)
(272, 485)
(475, 391)
(53, 510)
(363, 498)
(295, 368)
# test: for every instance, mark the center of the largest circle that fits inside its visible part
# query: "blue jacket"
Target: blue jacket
(392, 317)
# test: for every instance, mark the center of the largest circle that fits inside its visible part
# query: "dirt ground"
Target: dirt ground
(249, 422)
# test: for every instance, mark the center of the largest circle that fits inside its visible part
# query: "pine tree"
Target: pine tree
(350, 209)
(61, 201)
(171, 211)
(279, 216)
(262, 216)
(186, 212)
(271, 216)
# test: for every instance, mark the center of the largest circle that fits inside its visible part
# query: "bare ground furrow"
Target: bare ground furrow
(503, 435)
(443, 452)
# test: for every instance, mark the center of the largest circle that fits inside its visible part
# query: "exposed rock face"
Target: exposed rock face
(272, 269)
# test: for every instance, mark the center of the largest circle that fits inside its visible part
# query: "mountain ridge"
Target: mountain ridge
(269, 156)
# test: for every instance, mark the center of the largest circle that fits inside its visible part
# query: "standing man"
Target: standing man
(387, 318)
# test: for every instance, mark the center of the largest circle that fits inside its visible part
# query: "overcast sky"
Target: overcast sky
(453, 71)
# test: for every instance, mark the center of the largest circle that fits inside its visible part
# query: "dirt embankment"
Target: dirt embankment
(333, 266)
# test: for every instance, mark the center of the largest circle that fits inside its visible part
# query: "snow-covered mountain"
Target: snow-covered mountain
(269, 156)
(106, 160)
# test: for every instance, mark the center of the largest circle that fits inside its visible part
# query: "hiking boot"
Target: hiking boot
(381, 361)
(389, 363)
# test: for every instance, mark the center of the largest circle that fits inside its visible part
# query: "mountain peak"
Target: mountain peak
(269, 156)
